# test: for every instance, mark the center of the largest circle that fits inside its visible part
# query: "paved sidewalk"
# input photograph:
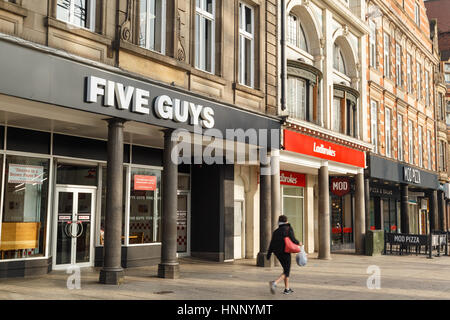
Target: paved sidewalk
(343, 277)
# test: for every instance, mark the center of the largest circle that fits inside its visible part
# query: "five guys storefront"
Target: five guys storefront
(401, 198)
(87, 174)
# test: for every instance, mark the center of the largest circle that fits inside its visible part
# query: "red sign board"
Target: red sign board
(340, 186)
(300, 143)
(292, 178)
(147, 183)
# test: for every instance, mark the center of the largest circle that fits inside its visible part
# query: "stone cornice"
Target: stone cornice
(328, 135)
(348, 16)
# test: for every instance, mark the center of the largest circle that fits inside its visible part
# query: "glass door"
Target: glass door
(75, 212)
(183, 217)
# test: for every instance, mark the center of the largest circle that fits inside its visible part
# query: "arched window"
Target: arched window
(296, 35)
(338, 59)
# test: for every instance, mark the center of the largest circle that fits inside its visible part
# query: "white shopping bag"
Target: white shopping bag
(301, 257)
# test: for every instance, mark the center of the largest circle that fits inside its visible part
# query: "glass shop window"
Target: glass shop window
(293, 199)
(145, 206)
(24, 208)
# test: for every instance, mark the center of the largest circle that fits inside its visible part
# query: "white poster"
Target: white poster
(21, 173)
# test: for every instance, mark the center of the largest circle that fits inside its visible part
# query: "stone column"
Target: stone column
(434, 214)
(442, 215)
(169, 266)
(404, 215)
(265, 221)
(324, 214)
(367, 202)
(360, 215)
(276, 190)
(112, 272)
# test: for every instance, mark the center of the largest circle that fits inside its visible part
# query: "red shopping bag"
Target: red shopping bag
(290, 247)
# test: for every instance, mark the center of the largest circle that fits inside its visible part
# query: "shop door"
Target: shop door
(342, 223)
(183, 248)
(74, 214)
(239, 230)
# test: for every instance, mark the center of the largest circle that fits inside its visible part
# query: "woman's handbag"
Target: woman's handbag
(290, 247)
(301, 258)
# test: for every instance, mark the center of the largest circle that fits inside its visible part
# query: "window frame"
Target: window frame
(199, 47)
(374, 124)
(398, 65)
(386, 55)
(420, 136)
(163, 27)
(90, 15)
(387, 130)
(419, 80)
(411, 141)
(429, 149)
(400, 136)
(417, 14)
(373, 44)
(243, 35)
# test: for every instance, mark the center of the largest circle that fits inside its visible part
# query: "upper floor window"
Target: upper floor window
(420, 146)
(373, 44)
(442, 151)
(419, 81)
(440, 106)
(374, 124)
(205, 35)
(400, 136)
(409, 73)
(303, 100)
(345, 115)
(386, 56)
(398, 65)
(296, 35)
(387, 121)
(246, 45)
(429, 148)
(417, 14)
(152, 25)
(427, 88)
(80, 13)
(410, 141)
(338, 60)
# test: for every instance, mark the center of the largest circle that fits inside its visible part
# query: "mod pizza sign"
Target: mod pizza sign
(303, 144)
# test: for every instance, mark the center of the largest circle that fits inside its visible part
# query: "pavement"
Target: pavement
(345, 276)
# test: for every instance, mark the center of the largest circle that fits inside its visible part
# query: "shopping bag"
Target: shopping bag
(301, 258)
(289, 246)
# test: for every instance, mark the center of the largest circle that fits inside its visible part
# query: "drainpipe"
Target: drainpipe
(283, 55)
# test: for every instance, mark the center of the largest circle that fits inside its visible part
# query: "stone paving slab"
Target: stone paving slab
(343, 277)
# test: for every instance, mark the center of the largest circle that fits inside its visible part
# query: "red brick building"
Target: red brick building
(401, 118)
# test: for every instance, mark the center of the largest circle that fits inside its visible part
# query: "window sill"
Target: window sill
(13, 8)
(207, 75)
(252, 91)
(85, 33)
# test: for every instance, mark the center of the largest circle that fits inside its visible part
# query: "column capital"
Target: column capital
(116, 121)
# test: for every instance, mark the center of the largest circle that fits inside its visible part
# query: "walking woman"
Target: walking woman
(277, 247)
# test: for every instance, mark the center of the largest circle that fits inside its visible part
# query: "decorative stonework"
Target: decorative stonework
(181, 53)
(125, 27)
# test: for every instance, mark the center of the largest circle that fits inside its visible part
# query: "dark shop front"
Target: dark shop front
(400, 198)
(88, 176)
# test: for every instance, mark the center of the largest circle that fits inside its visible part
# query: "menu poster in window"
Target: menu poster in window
(147, 183)
(20, 173)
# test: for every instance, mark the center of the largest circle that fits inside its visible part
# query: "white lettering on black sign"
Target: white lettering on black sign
(411, 175)
(137, 100)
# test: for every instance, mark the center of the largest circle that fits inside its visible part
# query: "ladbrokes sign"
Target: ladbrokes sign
(303, 144)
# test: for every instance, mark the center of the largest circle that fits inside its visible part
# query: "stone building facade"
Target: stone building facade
(215, 57)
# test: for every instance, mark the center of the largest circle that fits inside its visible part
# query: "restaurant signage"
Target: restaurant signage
(340, 186)
(411, 175)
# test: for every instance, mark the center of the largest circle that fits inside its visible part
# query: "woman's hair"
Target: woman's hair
(282, 219)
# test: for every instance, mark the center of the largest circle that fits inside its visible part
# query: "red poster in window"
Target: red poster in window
(147, 183)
